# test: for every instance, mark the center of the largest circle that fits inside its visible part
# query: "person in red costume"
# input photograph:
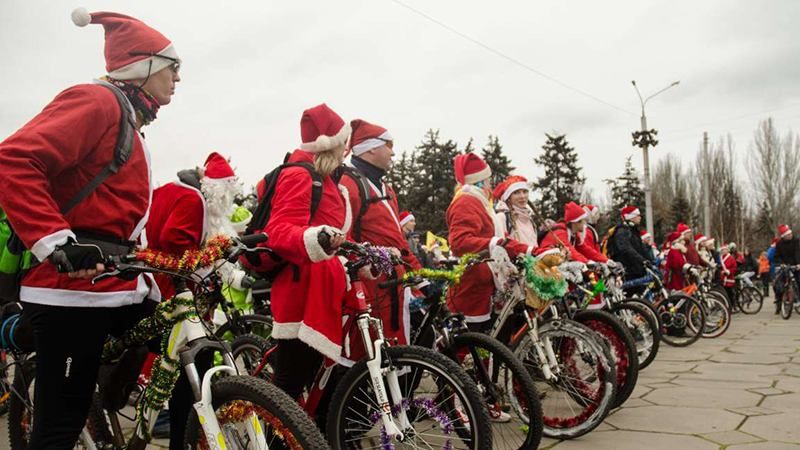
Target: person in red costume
(307, 293)
(692, 256)
(45, 164)
(676, 264)
(473, 228)
(565, 233)
(729, 267)
(588, 242)
(371, 147)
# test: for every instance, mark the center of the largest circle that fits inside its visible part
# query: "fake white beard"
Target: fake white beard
(219, 205)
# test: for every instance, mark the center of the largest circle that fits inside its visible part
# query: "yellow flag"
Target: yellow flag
(431, 238)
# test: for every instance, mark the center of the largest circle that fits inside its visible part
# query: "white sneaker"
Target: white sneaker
(497, 415)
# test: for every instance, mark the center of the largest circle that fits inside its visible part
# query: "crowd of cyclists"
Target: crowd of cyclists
(78, 192)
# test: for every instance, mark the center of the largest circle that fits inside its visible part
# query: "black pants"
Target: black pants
(296, 365)
(765, 282)
(68, 343)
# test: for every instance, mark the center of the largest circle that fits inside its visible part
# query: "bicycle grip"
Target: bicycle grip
(251, 240)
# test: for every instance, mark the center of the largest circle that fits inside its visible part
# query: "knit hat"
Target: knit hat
(322, 129)
(629, 212)
(470, 169)
(217, 167)
(699, 238)
(574, 213)
(509, 186)
(683, 228)
(133, 50)
(406, 217)
(783, 230)
(367, 136)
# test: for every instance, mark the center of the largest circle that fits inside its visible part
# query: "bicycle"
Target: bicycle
(717, 312)
(396, 396)
(501, 377)
(789, 297)
(751, 298)
(230, 410)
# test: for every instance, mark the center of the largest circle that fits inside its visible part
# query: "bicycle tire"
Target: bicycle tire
(670, 330)
(560, 332)
(623, 348)
(20, 418)
(717, 317)
(722, 292)
(249, 320)
(787, 300)
(518, 390)
(422, 358)
(284, 412)
(751, 300)
(247, 351)
(642, 323)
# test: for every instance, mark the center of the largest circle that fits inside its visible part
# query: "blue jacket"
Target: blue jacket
(771, 258)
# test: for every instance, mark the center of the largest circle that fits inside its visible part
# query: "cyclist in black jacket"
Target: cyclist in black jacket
(625, 244)
(787, 251)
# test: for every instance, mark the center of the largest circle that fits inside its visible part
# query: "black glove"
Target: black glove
(72, 257)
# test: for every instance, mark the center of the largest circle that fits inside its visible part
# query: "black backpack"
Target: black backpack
(13, 249)
(363, 193)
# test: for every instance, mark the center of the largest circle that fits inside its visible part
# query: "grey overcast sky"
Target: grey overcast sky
(251, 67)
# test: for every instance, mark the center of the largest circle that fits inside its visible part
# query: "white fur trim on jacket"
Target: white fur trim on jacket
(322, 344)
(65, 297)
(45, 245)
(324, 143)
(348, 214)
(310, 239)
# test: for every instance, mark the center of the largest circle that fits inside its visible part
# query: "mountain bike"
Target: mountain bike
(717, 312)
(230, 410)
(789, 296)
(751, 298)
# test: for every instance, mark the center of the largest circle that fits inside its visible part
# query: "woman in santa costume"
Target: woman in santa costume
(45, 164)
(565, 234)
(588, 241)
(307, 294)
(729, 266)
(371, 147)
(474, 228)
(676, 265)
(513, 212)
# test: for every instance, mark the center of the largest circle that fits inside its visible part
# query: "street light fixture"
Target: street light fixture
(645, 139)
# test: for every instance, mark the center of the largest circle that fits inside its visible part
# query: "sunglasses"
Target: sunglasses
(175, 67)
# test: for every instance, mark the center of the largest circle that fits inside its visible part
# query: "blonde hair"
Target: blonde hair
(326, 162)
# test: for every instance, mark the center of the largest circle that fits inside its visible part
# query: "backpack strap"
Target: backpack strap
(316, 186)
(122, 151)
(363, 195)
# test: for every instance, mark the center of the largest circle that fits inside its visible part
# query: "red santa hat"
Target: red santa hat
(133, 50)
(629, 212)
(217, 168)
(672, 237)
(683, 228)
(544, 251)
(366, 136)
(644, 234)
(699, 238)
(322, 129)
(509, 186)
(574, 213)
(783, 230)
(406, 217)
(470, 169)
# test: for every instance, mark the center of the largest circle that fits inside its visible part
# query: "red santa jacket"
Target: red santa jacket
(692, 256)
(46, 163)
(560, 235)
(380, 226)
(675, 266)
(588, 246)
(472, 230)
(729, 267)
(307, 295)
(176, 224)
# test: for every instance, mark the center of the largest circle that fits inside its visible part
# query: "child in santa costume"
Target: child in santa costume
(45, 164)
(474, 228)
(381, 223)
(565, 233)
(307, 294)
(513, 212)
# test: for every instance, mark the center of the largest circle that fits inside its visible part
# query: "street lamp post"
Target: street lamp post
(645, 139)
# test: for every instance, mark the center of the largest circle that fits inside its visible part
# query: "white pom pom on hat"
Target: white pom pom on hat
(81, 17)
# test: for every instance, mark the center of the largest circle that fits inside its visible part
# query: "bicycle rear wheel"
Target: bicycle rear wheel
(578, 395)
(507, 388)
(676, 313)
(642, 324)
(787, 299)
(442, 403)
(717, 320)
(277, 417)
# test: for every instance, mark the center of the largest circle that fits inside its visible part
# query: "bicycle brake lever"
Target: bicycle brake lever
(105, 275)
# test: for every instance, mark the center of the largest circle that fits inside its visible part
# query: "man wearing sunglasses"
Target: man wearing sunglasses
(44, 169)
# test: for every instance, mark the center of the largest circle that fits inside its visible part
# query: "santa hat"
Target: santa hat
(683, 228)
(644, 234)
(509, 186)
(774, 242)
(406, 217)
(133, 50)
(470, 169)
(574, 213)
(367, 136)
(783, 230)
(541, 252)
(217, 168)
(672, 237)
(593, 212)
(322, 129)
(699, 238)
(629, 212)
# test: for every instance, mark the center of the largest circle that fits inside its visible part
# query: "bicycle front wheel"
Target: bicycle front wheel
(750, 300)
(676, 313)
(787, 300)
(444, 408)
(718, 318)
(247, 408)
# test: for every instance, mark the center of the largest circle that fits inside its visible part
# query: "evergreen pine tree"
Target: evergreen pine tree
(626, 188)
(432, 183)
(501, 166)
(401, 177)
(680, 209)
(562, 180)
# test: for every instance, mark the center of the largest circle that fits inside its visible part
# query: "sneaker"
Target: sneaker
(497, 415)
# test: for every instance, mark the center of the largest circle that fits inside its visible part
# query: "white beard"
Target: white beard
(219, 197)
